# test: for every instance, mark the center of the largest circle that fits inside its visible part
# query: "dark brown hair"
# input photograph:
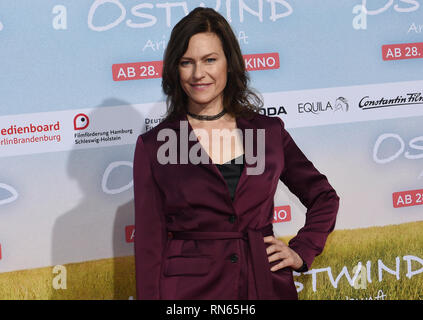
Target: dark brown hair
(238, 98)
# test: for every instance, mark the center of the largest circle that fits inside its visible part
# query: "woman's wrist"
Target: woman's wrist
(303, 268)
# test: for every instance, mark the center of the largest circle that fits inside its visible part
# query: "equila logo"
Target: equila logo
(340, 104)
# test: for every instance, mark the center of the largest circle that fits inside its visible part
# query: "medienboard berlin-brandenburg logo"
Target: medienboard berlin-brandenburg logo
(29, 133)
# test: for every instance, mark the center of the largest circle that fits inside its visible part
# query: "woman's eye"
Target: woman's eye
(210, 60)
(184, 63)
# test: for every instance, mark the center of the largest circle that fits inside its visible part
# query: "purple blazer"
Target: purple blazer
(193, 242)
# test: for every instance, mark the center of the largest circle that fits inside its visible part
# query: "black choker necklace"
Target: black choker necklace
(200, 117)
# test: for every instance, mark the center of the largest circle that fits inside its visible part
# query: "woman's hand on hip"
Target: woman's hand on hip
(279, 250)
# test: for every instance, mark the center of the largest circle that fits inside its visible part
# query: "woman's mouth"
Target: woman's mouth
(200, 85)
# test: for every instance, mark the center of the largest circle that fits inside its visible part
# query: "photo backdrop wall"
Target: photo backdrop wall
(80, 80)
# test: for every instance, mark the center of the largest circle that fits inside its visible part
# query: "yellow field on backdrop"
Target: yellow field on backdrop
(115, 278)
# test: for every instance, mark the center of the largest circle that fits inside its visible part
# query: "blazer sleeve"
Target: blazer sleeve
(315, 193)
(150, 235)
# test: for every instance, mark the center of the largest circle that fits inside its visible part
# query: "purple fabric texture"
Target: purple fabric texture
(193, 242)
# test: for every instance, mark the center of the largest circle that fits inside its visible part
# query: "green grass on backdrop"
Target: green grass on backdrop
(398, 248)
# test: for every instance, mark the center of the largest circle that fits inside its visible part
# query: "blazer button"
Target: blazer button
(234, 258)
(232, 218)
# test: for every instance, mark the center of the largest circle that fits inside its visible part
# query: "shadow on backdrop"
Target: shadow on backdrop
(90, 238)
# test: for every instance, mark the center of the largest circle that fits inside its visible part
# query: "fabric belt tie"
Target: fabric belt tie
(261, 266)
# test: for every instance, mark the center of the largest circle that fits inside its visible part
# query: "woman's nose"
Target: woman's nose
(198, 71)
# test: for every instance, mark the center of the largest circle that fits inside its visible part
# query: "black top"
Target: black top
(231, 171)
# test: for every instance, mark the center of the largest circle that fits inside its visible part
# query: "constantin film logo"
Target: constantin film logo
(317, 107)
(412, 98)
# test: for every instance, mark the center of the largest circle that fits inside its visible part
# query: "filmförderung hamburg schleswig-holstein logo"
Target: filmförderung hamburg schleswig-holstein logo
(81, 122)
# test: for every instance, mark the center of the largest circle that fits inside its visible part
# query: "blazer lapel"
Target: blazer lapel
(182, 122)
(249, 141)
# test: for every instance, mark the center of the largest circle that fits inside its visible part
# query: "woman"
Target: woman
(203, 223)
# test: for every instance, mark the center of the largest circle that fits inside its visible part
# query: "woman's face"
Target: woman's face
(203, 71)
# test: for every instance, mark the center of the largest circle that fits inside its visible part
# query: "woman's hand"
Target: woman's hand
(278, 250)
